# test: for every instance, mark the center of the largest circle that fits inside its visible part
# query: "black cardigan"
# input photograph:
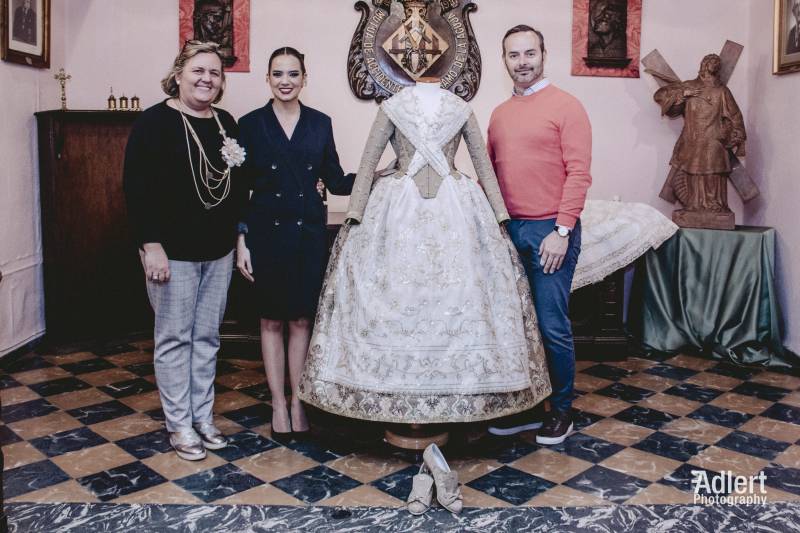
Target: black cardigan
(163, 204)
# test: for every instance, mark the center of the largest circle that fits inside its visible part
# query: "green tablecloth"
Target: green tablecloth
(714, 291)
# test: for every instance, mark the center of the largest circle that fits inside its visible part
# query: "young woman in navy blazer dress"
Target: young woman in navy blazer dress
(282, 245)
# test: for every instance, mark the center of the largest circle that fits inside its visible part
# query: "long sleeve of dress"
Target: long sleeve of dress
(332, 175)
(379, 136)
(483, 167)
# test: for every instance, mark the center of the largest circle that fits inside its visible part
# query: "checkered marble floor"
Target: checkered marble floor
(86, 426)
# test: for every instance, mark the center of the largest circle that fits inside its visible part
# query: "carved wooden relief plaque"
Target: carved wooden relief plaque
(398, 42)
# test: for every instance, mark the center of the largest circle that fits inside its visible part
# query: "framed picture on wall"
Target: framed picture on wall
(225, 22)
(786, 50)
(26, 32)
(606, 37)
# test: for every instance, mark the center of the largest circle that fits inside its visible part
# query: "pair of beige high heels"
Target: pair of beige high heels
(435, 474)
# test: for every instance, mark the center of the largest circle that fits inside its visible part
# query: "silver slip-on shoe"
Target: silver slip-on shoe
(187, 444)
(421, 495)
(212, 438)
(448, 493)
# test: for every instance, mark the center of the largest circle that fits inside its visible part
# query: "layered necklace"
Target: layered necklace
(216, 183)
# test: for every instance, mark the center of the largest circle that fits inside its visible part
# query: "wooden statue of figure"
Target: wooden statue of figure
(713, 135)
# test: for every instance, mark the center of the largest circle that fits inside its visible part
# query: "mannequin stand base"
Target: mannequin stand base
(416, 436)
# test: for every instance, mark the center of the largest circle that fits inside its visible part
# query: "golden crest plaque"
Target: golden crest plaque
(398, 42)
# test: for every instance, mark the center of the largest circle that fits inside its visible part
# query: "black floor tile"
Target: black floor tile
(587, 448)
(671, 447)
(628, 393)
(25, 410)
(584, 419)
(122, 480)
(7, 436)
(316, 484)
(759, 390)
(142, 369)
(642, 416)
(313, 449)
(59, 386)
(111, 348)
(23, 364)
(719, 416)
(607, 484)
(750, 444)
(511, 485)
(784, 413)
(397, 484)
(671, 372)
(92, 414)
(613, 373)
(147, 444)
(693, 392)
(30, 477)
(734, 371)
(244, 444)
(220, 482)
(258, 391)
(683, 477)
(88, 365)
(130, 387)
(67, 441)
(7, 382)
(783, 478)
(251, 416)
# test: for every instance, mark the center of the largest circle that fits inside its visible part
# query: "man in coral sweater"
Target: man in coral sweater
(540, 143)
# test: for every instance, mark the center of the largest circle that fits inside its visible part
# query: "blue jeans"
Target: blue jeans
(551, 300)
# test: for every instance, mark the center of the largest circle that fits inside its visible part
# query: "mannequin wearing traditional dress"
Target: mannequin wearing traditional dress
(425, 314)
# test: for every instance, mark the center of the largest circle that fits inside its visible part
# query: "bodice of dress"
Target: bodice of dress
(425, 125)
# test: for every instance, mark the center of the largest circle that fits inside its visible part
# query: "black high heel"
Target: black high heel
(282, 437)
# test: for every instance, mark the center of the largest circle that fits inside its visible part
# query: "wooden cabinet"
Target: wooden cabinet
(93, 281)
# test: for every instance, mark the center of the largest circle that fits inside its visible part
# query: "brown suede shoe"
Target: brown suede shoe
(556, 429)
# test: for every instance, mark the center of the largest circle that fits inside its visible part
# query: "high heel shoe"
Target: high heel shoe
(448, 492)
(419, 500)
(281, 437)
(299, 435)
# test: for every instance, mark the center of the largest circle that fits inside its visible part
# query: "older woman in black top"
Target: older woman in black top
(284, 251)
(184, 200)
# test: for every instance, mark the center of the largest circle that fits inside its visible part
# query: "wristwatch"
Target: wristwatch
(562, 231)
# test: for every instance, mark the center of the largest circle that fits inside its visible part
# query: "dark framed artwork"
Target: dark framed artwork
(786, 48)
(606, 37)
(26, 32)
(225, 22)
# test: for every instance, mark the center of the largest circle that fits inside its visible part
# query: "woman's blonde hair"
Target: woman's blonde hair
(189, 50)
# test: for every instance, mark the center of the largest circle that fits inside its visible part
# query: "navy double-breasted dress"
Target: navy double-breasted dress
(285, 217)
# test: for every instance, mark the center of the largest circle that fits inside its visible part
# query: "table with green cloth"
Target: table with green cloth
(713, 291)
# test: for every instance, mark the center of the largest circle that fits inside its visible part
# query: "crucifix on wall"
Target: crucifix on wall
(713, 137)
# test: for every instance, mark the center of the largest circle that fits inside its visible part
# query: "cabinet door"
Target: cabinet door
(94, 286)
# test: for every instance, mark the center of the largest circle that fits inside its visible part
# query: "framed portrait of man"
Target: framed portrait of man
(26, 32)
(786, 50)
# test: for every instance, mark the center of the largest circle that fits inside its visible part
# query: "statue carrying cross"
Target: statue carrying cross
(713, 135)
(62, 78)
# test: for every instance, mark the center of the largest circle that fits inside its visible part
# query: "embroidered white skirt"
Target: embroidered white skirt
(426, 314)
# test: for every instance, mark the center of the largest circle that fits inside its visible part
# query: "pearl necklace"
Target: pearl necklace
(210, 182)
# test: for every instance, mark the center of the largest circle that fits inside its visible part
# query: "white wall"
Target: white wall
(773, 127)
(130, 45)
(23, 91)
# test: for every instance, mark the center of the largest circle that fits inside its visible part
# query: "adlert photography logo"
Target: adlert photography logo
(727, 488)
